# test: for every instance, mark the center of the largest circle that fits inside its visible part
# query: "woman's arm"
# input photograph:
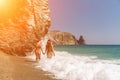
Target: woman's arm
(45, 50)
(53, 50)
(42, 50)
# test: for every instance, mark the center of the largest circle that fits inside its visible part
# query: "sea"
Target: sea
(83, 62)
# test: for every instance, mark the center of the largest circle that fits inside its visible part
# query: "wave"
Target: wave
(70, 67)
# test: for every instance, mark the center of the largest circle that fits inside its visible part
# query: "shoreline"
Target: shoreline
(20, 68)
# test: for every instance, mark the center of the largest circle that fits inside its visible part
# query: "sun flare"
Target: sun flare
(2, 3)
(7, 8)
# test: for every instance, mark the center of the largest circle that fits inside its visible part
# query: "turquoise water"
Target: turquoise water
(100, 51)
(87, 62)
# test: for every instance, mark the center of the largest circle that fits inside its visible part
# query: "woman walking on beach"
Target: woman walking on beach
(49, 49)
(38, 51)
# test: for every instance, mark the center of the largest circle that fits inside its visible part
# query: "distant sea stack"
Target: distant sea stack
(62, 38)
(81, 40)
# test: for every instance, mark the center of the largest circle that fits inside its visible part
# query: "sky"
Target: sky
(97, 20)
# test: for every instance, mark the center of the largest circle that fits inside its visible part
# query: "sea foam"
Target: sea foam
(70, 67)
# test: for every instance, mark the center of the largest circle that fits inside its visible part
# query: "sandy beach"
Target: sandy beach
(20, 68)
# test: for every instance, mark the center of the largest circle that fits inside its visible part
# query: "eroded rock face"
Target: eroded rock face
(62, 38)
(22, 22)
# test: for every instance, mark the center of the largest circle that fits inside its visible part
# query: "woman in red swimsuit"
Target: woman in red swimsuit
(49, 49)
(38, 51)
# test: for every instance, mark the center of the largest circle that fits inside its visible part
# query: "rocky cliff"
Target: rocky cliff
(22, 22)
(62, 38)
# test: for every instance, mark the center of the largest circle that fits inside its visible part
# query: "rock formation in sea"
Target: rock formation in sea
(22, 22)
(62, 38)
(81, 40)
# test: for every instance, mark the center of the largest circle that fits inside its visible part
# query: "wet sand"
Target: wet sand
(20, 68)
